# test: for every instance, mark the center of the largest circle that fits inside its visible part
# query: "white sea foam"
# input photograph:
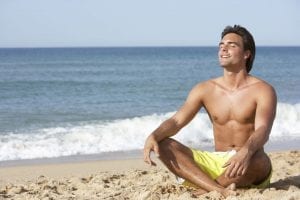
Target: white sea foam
(124, 135)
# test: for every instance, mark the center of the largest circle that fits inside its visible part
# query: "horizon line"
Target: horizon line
(157, 46)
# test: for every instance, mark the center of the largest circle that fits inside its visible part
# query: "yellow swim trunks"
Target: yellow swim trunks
(211, 163)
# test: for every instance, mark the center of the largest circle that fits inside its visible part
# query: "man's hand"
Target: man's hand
(237, 165)
(150, 145)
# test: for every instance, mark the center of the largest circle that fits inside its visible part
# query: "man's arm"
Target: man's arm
(172, 126)
(264, 117)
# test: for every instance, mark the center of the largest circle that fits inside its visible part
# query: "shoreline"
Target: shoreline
(271, 146)
(107, 156)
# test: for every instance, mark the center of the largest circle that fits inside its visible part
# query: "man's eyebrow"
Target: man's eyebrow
(221, 43)
(229, 43)
(233, 43)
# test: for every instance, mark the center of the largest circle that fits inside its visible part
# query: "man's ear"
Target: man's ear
(247, 54)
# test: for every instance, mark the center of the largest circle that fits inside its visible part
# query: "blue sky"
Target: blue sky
(69, 23)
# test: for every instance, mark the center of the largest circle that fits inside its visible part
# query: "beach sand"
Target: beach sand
(131, 179)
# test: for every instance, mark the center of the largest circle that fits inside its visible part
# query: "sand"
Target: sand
(131, 179)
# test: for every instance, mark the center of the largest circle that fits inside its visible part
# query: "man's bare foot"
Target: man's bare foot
(198, 192)
(229, 191)
(232, 187)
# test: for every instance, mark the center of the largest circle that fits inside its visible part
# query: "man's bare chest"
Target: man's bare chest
(223, 108)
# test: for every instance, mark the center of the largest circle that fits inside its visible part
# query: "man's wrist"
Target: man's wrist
(247, 152)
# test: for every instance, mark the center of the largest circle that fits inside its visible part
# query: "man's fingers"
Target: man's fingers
(147, 158)
(241, 171)
(226, 164)
(236, 166)
(244, 171)
(156, 150)
(234, 171)
(228, 170)
(150, 145)
(147, 155)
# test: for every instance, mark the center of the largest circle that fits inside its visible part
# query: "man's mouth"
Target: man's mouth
(225, 56)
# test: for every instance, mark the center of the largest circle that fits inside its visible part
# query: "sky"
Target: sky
(105, 23)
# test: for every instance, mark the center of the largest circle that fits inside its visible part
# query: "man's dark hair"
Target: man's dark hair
(248, 42)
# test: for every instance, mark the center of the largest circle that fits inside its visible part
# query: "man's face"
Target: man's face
(231, 51)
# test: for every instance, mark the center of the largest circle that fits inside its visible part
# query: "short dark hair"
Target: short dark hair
(248, 42)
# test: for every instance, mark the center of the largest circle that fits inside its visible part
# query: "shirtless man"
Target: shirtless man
(241, 108)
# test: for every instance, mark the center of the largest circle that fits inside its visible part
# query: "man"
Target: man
(241, 108)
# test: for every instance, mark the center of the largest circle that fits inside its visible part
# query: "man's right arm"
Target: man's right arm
(166, 129)
(172, 126)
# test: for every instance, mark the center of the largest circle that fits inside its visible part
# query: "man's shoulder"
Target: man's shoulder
(208, 83)
(263, 89)
(203, 87)
(258, 83)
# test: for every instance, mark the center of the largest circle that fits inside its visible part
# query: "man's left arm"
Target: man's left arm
(264, 117)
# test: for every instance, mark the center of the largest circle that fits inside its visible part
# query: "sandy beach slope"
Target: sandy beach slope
(132, 179)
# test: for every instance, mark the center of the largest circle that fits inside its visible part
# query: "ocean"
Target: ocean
(57, 102)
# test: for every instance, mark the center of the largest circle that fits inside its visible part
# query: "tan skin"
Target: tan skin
(241, 108)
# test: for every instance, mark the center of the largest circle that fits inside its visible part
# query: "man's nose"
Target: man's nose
(224, 48)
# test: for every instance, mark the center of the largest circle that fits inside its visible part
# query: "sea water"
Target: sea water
(58, 102)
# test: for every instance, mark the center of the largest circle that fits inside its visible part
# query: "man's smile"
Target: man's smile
(225, 56)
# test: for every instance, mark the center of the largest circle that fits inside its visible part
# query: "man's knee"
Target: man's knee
(170, 146)
(167, 144)
(167, 152)
(260, 162)
(260, 167)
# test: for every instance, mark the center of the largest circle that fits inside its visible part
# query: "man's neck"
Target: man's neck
(235, 80)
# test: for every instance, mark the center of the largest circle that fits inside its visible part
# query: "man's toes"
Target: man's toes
(232, 187)
(198, 192)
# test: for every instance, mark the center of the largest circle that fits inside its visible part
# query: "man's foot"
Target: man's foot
(229, 191)
(198, 192)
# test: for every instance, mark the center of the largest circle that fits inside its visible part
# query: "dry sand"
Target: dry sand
(132, 179)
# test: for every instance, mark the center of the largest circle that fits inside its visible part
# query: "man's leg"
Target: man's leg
(179, 160)
(259, 169)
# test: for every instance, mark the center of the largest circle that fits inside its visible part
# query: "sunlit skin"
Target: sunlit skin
(241, 117)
